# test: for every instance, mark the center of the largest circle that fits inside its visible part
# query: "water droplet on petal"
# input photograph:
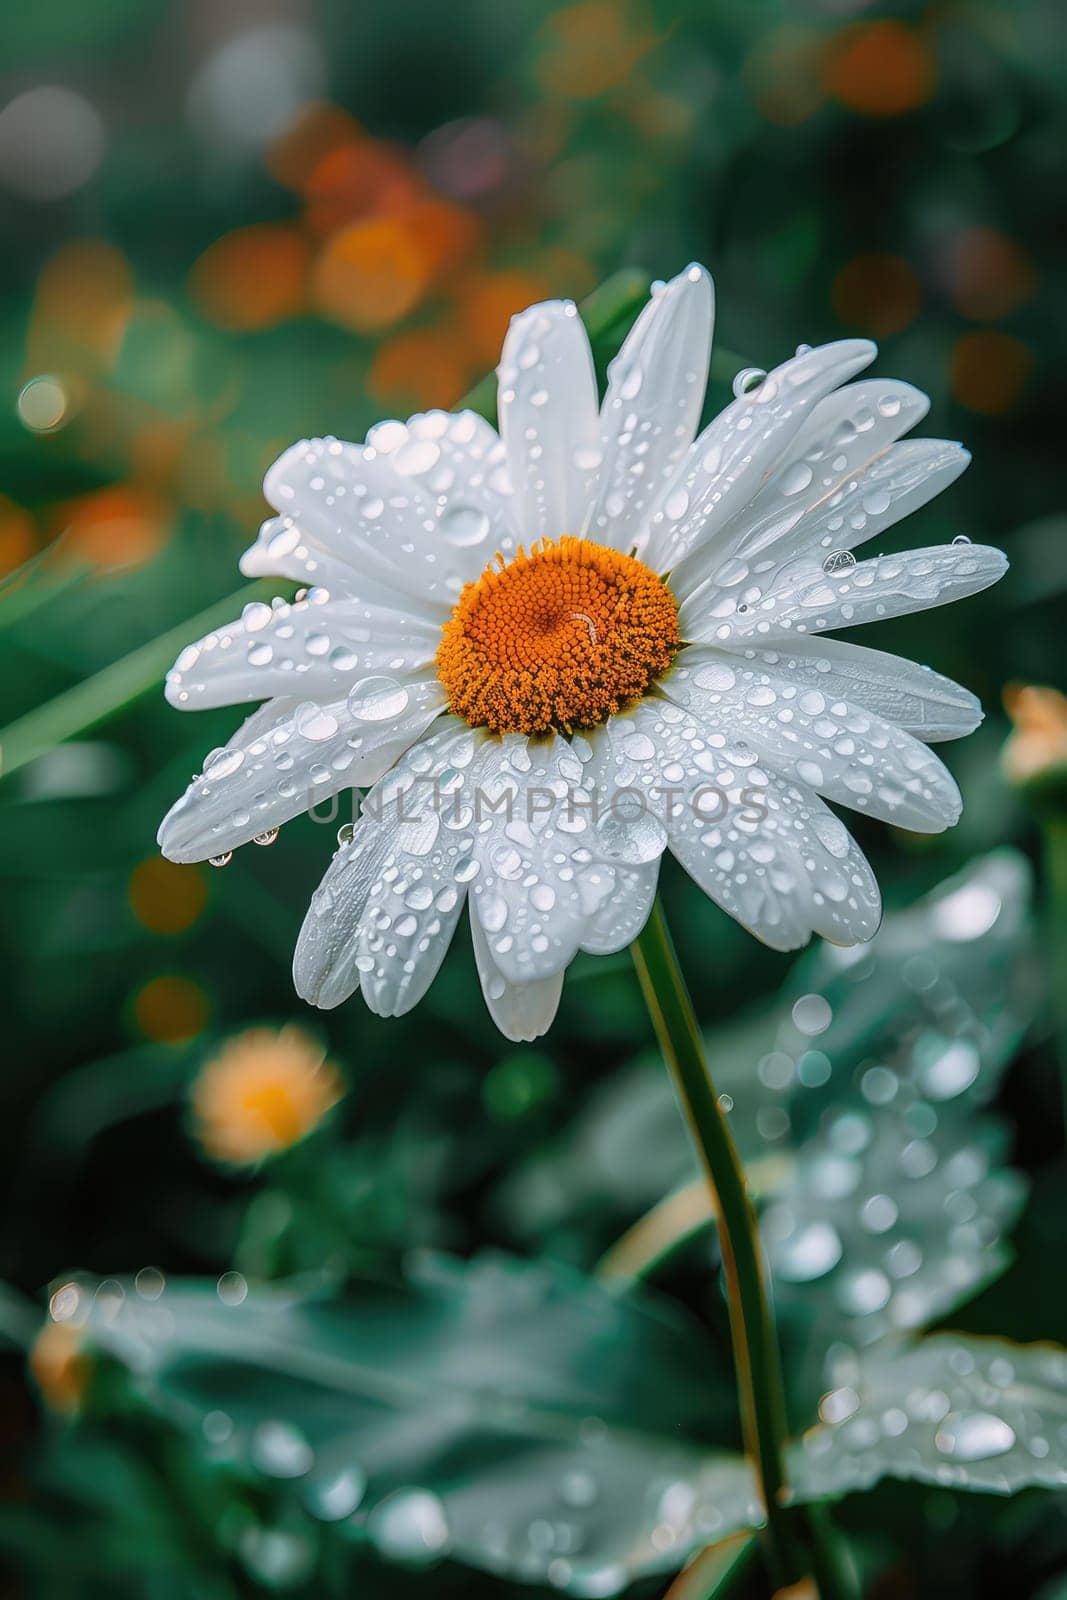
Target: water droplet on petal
(748, 380)
(377, 699)
(220, 861)
(974, 1436)
(839, 561)
(961, 538)
(464, 525)
(267, 837)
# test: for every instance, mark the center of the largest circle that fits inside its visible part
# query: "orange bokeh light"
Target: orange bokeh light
(989, 275)
(253, 278)
(119, 526)
(486, 303)
(420, 367)
(81, 307)
(17, 536)
(880, 69)
(317, 129)
(171, 1009)
(164, 897)
(782, 76)
(589, 48)
(375, 272)
(356, 180)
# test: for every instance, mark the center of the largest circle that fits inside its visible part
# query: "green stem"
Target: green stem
(759, 1377)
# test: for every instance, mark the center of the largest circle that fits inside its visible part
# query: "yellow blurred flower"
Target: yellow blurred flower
(1038, 744)
(265, 1090)
(60, 1367)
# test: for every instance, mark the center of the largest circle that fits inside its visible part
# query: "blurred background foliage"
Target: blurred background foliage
(230, 225)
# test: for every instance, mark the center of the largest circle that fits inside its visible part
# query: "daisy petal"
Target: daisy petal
(284, 550)
(624, 909)
(805, 599)
(841, 445)
(313, 752)
(770, 853)
(841, 750)
(914, 697)
(526, 897)
(547, 404)
(522, 1011)
(461, 464)
(324, 963)
(735, 453)
(653, 402)
(400, 868)
(374, 512)
(314, 648)
(798, 872)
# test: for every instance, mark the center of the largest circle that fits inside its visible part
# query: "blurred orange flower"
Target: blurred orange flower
(989, 371)
(880, 69)
(264, 1091)
(1039, 740)
(254, 277)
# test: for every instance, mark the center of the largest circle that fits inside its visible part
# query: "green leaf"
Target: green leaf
(514, 1415)
(956, 1410)
(889, 1219)
(834, 1103)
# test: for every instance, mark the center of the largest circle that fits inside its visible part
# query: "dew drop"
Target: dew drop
(839, 561)
(974, 1436)
(377, 699)
(961, 538)
(464, 525)
(748, 380)
(220, 861)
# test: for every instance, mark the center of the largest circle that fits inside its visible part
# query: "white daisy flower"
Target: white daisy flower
(559, 652)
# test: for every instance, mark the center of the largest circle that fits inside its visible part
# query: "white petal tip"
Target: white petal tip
(277, 489)
(176, 839)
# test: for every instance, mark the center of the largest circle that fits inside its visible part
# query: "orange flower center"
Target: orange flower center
(561, 638)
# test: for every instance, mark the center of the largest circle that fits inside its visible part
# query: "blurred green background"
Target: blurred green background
(229, 225)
